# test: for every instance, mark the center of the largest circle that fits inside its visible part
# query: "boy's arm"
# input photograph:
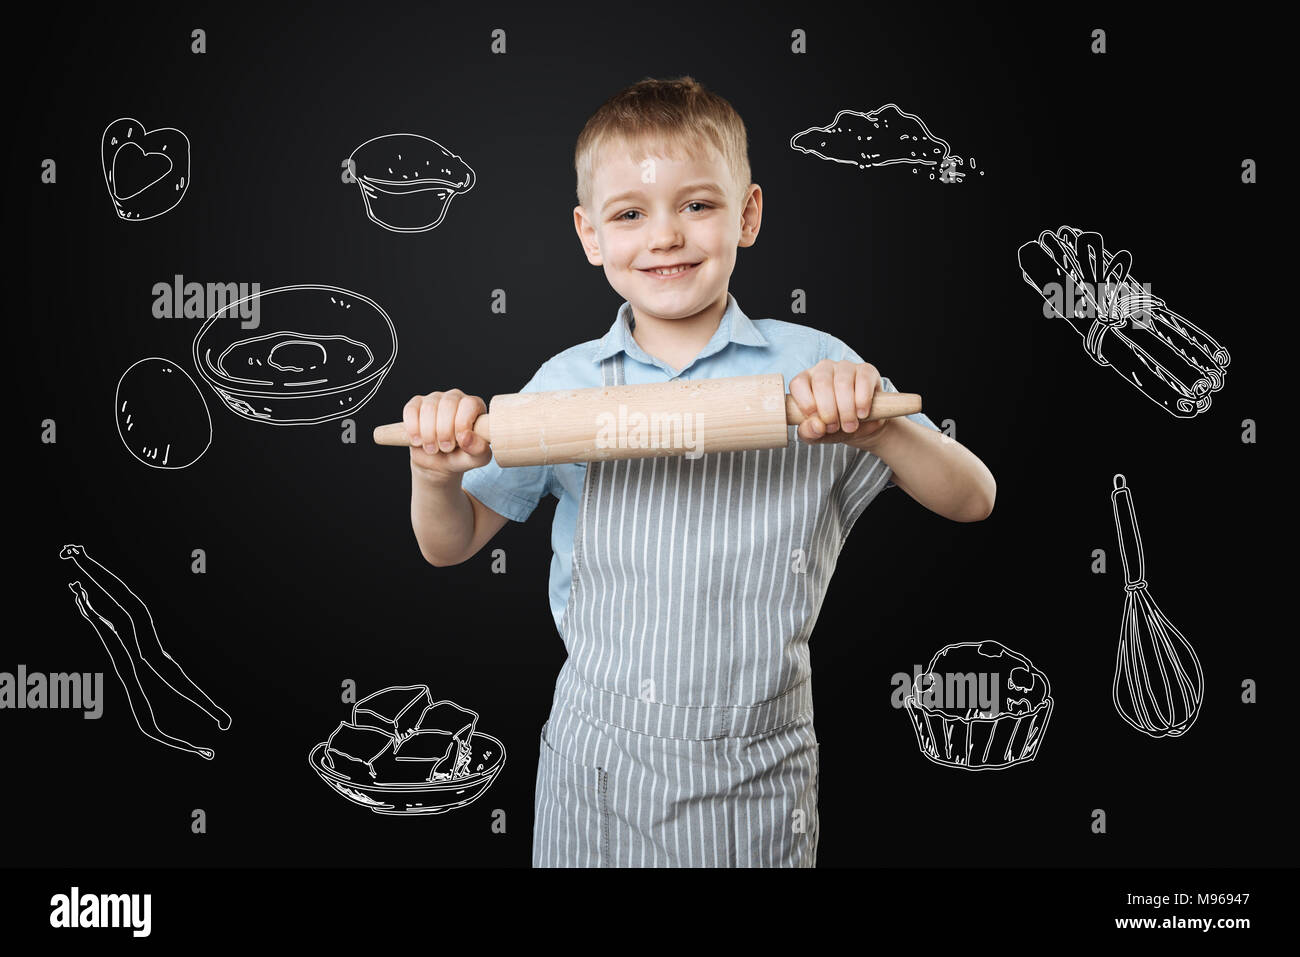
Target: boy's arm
(450, 524)
(454, 514)
(935, 470)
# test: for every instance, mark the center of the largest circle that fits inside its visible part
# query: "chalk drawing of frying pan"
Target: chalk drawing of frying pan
(147, 171)
(312, 354)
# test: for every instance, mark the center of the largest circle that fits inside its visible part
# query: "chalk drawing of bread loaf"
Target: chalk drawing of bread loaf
(147, 171)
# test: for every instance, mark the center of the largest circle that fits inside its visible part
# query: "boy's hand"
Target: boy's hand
(443, 441)
(835, 396)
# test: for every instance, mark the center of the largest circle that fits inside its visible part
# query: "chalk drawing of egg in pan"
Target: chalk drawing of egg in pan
(161, 415)
(296, 355)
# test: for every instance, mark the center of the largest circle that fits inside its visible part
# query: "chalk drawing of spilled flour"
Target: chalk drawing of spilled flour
(126, 629)
(886, 136)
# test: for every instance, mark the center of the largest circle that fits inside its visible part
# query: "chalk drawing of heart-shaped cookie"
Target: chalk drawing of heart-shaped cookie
(147, 171)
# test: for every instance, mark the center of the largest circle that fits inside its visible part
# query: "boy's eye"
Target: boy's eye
(632, 212)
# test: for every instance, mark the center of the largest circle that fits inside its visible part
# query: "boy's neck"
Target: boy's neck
(677, 341)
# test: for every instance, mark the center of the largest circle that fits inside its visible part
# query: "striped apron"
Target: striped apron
(681, 730)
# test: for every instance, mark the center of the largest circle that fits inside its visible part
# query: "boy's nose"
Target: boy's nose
(666, 238)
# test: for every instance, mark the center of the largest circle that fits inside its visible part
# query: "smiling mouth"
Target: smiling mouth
(667, 271)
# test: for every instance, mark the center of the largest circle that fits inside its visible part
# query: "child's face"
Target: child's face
(674, 218)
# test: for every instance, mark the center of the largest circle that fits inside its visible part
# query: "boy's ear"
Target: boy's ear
(587, 236)
(751, 214)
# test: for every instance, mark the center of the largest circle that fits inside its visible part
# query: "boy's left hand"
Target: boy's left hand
(836, 397)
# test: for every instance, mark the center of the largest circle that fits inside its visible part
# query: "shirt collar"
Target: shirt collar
(734, 327)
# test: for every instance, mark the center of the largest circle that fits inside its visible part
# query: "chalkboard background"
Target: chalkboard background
(313, 576)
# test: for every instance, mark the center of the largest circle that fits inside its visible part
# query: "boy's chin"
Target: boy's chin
(671, 303)
(683, 309)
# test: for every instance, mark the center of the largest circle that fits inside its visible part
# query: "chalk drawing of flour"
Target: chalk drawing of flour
(886, 136)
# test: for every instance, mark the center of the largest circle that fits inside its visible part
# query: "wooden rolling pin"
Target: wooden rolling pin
(684, 417)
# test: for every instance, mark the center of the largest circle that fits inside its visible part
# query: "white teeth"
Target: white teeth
(670, 272)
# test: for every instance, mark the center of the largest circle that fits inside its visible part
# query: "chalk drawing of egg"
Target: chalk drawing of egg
(161, 415)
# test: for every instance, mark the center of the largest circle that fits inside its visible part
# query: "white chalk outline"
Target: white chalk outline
(417, 695)
(437, 795)
(372, 186)
(236, 397)
(301, 340)
(97, 574)
(1157, 721)
(923, 717)
(1081, 256)
(947, 163)
(89, 613)
(120, 412)
(109, 159)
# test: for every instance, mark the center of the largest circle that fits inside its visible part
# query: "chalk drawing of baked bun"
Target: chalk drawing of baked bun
(296, 355)
(408, 181)
(980, 706)
(147, 171)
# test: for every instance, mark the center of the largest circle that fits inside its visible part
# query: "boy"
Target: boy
(685, 587)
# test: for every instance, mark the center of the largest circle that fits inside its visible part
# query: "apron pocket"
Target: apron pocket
(571, 819)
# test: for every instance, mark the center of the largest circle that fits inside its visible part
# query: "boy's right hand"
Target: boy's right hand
(443, 441)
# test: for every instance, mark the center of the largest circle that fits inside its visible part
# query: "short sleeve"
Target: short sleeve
(514, 492)
(838, 350)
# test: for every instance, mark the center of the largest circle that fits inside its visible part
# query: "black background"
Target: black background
(314, 576)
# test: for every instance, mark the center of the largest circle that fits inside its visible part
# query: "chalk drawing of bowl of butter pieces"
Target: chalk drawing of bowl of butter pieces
(404, 754)
(296, 355)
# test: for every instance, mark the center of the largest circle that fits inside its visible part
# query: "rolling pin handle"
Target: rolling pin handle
(884, 405)
(395, 432)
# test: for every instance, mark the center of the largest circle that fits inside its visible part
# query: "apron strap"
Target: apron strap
(611, 370)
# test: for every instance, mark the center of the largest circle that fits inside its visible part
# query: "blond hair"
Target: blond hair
(677, 117)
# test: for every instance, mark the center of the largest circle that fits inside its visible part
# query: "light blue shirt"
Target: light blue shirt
(740, 346)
